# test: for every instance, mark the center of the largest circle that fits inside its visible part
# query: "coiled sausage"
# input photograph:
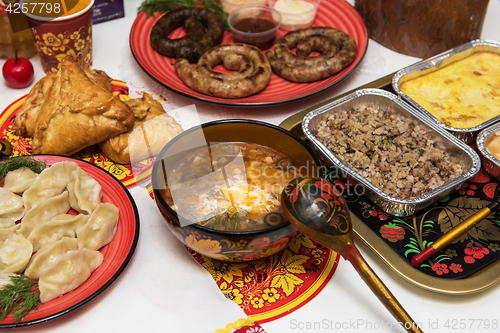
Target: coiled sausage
(254, 71)
(196, 41)
(301, 69)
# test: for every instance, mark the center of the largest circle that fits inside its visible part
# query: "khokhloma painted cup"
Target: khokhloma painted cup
(62, 32)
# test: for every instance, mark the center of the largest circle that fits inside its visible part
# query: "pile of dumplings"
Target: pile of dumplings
(50, 245)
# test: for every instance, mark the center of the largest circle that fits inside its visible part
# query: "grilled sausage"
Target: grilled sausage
(254, 71)
(231, 61)
(336, 55)
(196, 41)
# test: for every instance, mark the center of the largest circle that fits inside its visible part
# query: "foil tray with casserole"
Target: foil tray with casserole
(398, 158)
(488, 146)
(459, 89)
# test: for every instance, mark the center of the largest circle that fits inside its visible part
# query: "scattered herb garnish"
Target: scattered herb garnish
(421, 152)
(232, 220)
(26, 161)
(19, 297)
(162, 6)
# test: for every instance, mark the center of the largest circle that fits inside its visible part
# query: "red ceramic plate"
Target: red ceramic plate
(331, 13)
(117, 254)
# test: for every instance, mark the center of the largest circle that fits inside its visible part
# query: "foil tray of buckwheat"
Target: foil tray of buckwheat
(458, 90)
(401, 160)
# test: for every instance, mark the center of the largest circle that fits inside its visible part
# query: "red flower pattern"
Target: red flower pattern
(476, 251)
(456, 268)
(440, 269)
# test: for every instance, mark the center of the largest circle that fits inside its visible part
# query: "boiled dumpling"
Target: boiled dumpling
(67, 273)
(84, 193)
(7, 222)
(5, 279)
(59, 226)
(43, 212)
(42, 260)
(15, 253)
(100, 228)
(11, 206)
(4, 232)
(19, 180)
(49, 183)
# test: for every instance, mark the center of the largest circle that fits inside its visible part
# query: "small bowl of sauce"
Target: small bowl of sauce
(295, 14)
(255, 25)
(230, 5)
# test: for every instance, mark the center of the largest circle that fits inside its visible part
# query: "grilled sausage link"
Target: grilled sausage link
(299, 68)
(231, 61)
(254, 71)
(304, 47)
(196, 41)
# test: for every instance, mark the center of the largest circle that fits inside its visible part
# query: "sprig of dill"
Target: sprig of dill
(216, 7)
(232, 220)
(19, 297)
(26, 161)
(162, 6)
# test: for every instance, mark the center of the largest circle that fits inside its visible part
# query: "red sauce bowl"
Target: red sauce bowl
(255, 25)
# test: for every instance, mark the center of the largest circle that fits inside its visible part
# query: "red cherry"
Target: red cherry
(18, 72)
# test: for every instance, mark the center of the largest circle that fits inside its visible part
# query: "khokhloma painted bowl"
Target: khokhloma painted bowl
(235, 246)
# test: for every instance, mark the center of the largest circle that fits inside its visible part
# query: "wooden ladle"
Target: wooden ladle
(316, 208)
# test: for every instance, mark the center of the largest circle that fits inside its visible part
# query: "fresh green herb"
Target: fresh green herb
(26, 161)
(19, 297)
(221, 195)
(162, 6)
(421, 152)
(216, 7)
(232, 220)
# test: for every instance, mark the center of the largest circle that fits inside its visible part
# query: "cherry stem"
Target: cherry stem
(17, 60)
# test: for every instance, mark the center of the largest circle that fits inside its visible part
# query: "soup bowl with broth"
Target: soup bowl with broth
(219, 185)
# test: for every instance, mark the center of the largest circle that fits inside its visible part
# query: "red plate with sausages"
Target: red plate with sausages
(331, 13)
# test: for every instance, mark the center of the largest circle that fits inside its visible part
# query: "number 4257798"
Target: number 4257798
(35, 8)
(476, 324)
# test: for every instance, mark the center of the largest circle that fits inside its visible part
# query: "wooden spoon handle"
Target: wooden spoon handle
(352, 254)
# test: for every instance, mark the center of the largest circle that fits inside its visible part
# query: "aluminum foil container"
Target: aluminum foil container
(490, 163)
(432, 64)
(384, 100)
